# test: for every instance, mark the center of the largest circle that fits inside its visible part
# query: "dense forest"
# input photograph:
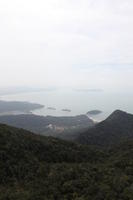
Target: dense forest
(34, 167)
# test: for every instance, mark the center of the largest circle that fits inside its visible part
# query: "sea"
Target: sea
(79, 102)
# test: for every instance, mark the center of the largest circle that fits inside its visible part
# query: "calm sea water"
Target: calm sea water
(77, 102)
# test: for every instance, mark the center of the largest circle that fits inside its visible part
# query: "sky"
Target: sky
(67, 43)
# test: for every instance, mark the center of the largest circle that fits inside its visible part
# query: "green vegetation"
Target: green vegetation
(34, 167)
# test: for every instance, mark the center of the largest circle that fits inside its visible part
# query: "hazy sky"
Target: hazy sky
(74, 43)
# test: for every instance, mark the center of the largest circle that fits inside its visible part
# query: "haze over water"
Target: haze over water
(79, 102)
(75, 44)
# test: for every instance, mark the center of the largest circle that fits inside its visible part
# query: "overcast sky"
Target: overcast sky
(71, 43)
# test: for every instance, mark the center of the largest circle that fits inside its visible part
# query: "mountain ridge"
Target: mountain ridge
(118, 126)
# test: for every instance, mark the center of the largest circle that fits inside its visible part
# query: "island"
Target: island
(17, 107)
(88, 90)
(51, 108)
(66, 110)
(94, 112)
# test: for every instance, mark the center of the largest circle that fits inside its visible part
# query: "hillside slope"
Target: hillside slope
(34, 167)
(61, 127)
(118, 126)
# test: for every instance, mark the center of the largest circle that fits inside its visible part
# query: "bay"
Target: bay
(79, 102)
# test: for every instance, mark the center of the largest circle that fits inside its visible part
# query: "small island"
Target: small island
(51, 108)
(94, 112)
(66, 110)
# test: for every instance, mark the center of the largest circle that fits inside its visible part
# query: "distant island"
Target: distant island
(94, 112)
(88, 90)
(66, 110)
(17, 107)
(19, 90)
(51, 108)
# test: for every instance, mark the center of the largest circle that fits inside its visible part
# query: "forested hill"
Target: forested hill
(116, 128)
(26, 145)
(34, 167)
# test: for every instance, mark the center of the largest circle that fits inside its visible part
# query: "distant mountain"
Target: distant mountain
(62, 127)
(118, 126)
(19, 90)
